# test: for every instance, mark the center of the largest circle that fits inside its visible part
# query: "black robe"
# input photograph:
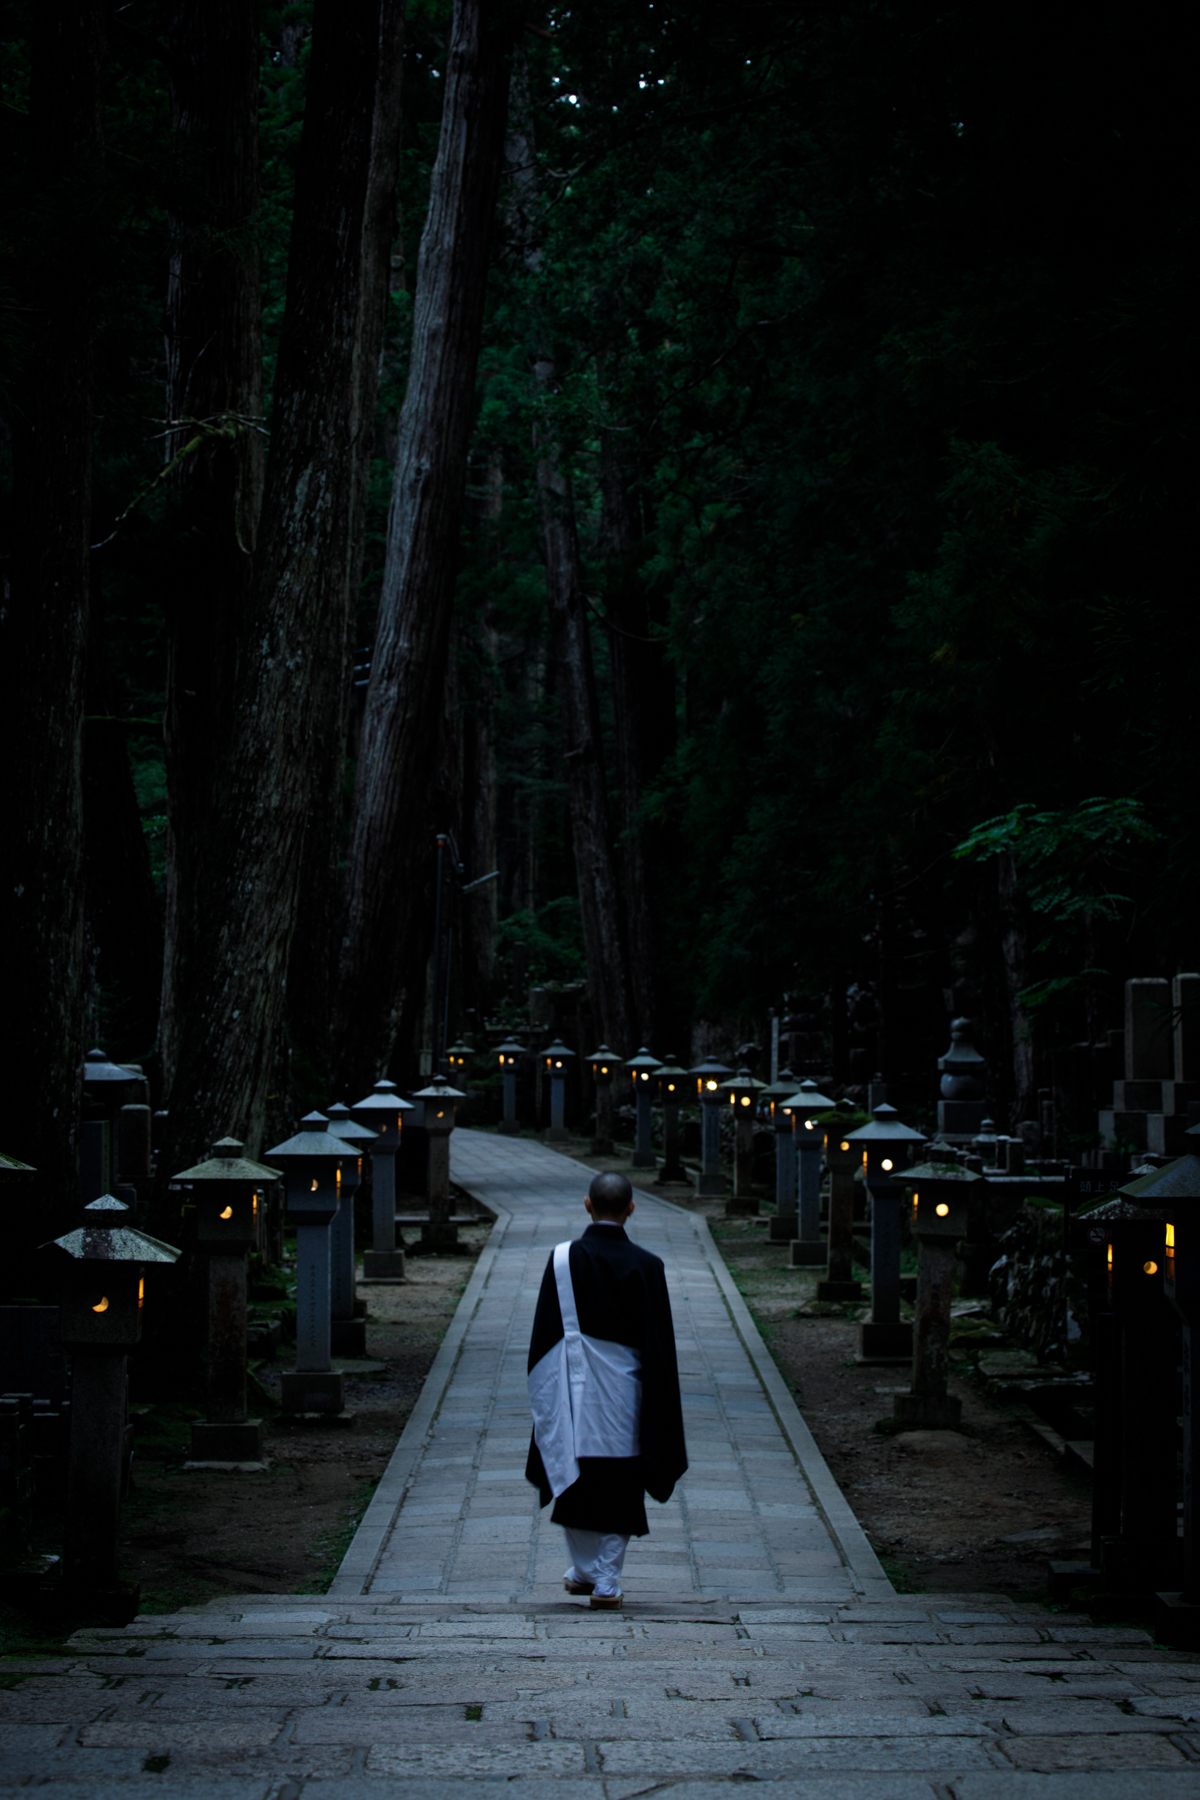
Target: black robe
(621, 1296)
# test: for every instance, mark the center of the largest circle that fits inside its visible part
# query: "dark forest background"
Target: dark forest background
(729, 467)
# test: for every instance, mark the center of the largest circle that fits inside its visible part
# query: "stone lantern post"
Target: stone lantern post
(1134, 1531)
(458, 1059)
(839, 1282)
(229, 1195)
(939, 1194)
(783, 1225)
(1174, 1191)
(708, 1076)
(107, 1088)
(741, 1093)
(642, 1069)
(510, 1054)
(441, 1103)
(382, 1111)
(804, 1108)
(312, 1162)
(670, 1081)
(348, 1327)
(556, 1058)
(602, 1063)
(886, 1147)
(101, 1323)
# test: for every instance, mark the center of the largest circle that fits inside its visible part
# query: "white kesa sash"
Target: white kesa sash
(585, 1393)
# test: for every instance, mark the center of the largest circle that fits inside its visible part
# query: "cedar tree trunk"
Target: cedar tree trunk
(386, 935)
(44, 619)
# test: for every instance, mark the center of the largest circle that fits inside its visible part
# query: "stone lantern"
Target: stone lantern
(602, 1063)
(886, 1146)
(671, 1082)
(101, 1318)
(1174, 1192)
(556, 1059)
(642, 1069)
(348, 1328)
(509, 1055)
(803, 1108)
(939, 1194)
(382, 1111)
(312, 1162)
(108, 1088)
(741, 1093)
(708, 1076)
(458, 1059)
(839, 1282)
(228, 1193)
(783, 1225)
(441, 1103)
(1135, 1331)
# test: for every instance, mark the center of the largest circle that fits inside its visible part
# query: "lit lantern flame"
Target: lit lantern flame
(101, 1304)
(843, 1145)
(942, 1210)
(886, 1165)
(254, 1205)
(604, 1068)
(141, 1291)
(1170, 1269)
(441, 1115)
(312, 1186)
(810, 1125)
(710, 1086)
(226, 1213)
(1150, 1267)
(746, 1099)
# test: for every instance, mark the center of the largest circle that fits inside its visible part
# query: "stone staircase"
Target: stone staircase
(962, 1697)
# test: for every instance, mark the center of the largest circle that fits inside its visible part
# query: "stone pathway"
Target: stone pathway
(761, 1640)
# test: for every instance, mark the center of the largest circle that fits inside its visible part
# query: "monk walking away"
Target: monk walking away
(604, 1393)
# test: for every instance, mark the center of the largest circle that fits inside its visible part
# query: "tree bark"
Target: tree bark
(643, 719)
(214, 396)
(600, 898)
(44, 620)
(385, 940)
(1013, 947)
(291, 699)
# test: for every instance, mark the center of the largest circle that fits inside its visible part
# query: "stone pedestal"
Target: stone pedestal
(711, 1182)
(441, 1234)
(808, 1248)
(312, 1392)
(883, 1337)
(927, 1405)
(226, 1435)
(643, 1147)
(347, 1330)
(839, 1282)
(384, 1261)
(508, 1124)
(783, 1225)
(672, 1172)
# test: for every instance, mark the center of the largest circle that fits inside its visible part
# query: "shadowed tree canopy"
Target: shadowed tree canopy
(729, 474)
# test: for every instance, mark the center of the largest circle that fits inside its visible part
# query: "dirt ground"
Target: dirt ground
(190, 1535)
(980, 1509)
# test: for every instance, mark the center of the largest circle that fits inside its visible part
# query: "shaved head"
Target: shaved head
(611, 1195)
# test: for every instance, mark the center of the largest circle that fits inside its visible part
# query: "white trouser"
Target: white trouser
(596, 1556)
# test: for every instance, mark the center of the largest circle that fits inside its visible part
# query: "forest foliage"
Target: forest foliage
(854, 337)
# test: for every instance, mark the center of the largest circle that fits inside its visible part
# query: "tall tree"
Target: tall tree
(44, 620)
(288, 728)
(384, 949)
